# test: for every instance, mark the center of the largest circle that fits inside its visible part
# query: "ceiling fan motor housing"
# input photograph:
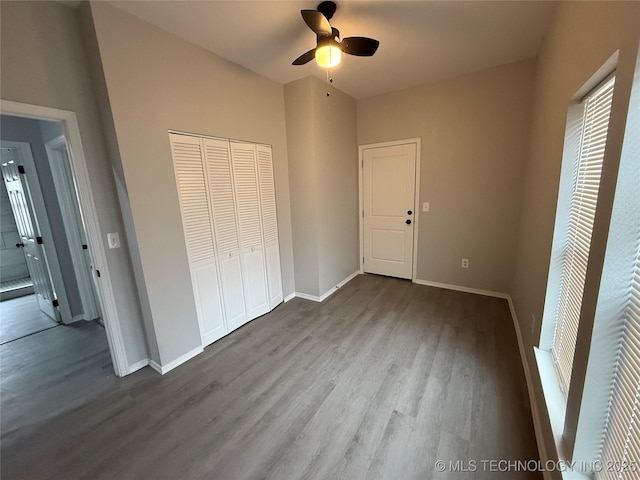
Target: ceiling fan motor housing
(327, 9)
(334, 39)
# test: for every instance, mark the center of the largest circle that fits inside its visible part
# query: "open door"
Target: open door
(73, 223)
(30, 239)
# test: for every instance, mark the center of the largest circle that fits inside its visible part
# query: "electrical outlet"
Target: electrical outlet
(465, 263)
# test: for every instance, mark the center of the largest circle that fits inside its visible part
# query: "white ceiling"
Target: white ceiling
(420, 41)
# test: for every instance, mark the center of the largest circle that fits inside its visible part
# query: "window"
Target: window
(589, 155)
(593, 401)
(621, 440)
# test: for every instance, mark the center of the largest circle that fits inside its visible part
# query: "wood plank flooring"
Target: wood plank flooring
(22, 316)
(378, 382)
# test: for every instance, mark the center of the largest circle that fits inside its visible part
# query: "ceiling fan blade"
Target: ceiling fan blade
(360, 46)
(317, 22)
(305, 57)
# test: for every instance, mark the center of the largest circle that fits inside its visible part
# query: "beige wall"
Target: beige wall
(582, 36)
(157, 82)
(111, 143)
(302, 178)
(42, 62)
(474, 132)
(336, 148)
(323, 167)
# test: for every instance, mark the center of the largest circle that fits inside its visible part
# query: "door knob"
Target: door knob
(408, 222)
(409, 212)
(20, 245)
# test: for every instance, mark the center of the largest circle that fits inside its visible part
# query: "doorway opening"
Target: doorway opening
(48, 225)
(45, 253)
(88, 300)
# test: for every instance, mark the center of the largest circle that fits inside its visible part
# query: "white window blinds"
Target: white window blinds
(597, 109)
(620, 452)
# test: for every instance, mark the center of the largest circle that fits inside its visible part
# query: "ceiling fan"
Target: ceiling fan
(329, 47)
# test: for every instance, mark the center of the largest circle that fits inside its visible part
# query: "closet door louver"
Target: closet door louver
(247, 194)
(198, 233)
(269, 223)
(227, 202)
(222, 201)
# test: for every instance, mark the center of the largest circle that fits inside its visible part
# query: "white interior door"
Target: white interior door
(198, 231)
(269, 223)
(73, 224)
(220, 176)
(389, 211)
(245, 177)
(25, 221)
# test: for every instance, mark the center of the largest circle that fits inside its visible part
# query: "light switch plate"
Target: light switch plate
(113, 239)
(425, 207)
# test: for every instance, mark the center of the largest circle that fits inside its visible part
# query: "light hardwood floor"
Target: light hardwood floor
(379, 381)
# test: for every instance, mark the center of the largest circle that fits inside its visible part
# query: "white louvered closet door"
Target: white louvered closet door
(247, 195)
(222, 200)
(269, 223)
(198, 233)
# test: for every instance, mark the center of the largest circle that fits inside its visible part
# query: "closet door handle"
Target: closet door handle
(408, 222)
(253, 249)
(230, 254)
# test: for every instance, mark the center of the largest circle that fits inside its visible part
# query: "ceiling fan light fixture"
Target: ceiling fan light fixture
(329, 45)
(328, 56)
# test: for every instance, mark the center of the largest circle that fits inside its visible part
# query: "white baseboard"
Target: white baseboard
(537, 422)
(138, 365)
(477, 291)
(330, 292)
(162, 369)
(156, 366)
(306, 296)
(16, 293)
(291, 296)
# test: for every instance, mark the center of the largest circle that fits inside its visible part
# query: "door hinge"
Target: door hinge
(55, 303)
(362, 213)
(97, 272)
(39, 240)
(362, 259)
(21, 169)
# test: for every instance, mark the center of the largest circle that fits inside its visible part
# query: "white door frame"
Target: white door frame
(73, 224)
(87, 206)
(42, 227)
(361, 149)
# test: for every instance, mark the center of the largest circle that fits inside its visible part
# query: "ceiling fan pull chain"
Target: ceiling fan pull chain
(329, 80)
